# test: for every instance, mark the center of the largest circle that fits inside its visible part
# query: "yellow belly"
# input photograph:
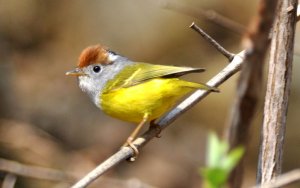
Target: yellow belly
(154, 97)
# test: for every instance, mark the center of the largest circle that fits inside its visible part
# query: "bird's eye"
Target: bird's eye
(96, 69)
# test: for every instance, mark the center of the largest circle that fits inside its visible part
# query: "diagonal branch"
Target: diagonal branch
(19, 169)
(9, 181)
(282, 180)
(220, 48)
(209, 15)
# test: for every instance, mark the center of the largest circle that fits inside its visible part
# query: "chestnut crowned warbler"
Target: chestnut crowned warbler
(132, 91)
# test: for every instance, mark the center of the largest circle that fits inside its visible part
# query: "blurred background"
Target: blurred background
(45, 119)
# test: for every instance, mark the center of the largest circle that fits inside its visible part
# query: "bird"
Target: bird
(132, 91)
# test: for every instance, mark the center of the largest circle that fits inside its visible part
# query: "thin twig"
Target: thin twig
(220, 48)
(298, 13)
(282, 180)
(210, 15)
(126, 152)
(14, 169)
(9, 181)
(33, 171)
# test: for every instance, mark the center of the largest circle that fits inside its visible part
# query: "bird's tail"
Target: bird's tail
(200, 86)
(207, 87)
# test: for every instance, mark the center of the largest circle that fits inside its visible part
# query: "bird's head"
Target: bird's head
(97, 65)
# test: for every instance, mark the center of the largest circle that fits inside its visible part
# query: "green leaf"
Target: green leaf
(232, 158)
(214, 177)
(220, 162)
(216, 149)
(212, 150)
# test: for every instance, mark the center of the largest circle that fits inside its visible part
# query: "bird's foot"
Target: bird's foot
(156, 127)
(129, 143)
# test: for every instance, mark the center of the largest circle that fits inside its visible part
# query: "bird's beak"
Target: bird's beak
(75, 72)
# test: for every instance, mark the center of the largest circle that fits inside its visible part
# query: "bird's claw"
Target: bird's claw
(129, 143)
(157, 128)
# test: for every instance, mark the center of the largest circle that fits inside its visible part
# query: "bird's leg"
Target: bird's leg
(157, 127)
(134, 134)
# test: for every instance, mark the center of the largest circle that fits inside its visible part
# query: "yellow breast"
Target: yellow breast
(154, 97)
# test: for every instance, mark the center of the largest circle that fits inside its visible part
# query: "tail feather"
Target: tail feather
(201, 86)
(207, 87)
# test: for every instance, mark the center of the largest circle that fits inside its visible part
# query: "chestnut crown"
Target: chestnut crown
(96, 54)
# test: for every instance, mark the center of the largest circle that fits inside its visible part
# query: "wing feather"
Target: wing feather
(141, 72)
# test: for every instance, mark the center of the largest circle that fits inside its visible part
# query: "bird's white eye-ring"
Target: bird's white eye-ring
(96, 69)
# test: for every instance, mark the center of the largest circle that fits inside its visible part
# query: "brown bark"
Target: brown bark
(249, 86)
(278, 88)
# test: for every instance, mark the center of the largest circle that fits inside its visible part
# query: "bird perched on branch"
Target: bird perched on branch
(132, 91)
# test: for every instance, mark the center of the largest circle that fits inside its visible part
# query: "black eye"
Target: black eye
(96, 69)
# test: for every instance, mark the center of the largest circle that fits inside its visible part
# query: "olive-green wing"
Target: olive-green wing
(141, 72)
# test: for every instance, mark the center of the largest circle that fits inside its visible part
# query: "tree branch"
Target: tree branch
(282, 180)
(9, 181)
(209, 15)
(250, 84)
(220, 48)
(16, 168)
(13, 169)
(278, 89)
